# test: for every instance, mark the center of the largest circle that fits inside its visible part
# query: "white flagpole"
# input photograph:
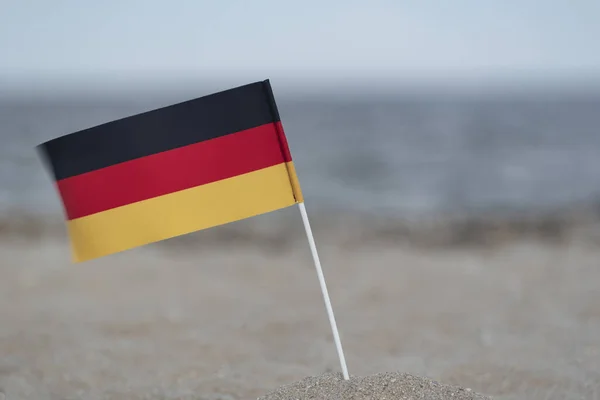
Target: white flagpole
(315, 255)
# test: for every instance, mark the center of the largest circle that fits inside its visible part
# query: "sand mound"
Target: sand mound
(387, 386)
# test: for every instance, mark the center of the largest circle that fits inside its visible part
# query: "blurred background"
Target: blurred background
(449, 154)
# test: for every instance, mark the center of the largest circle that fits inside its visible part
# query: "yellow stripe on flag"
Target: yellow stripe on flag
(182, 212)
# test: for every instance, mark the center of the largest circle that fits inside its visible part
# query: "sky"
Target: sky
(120, 42)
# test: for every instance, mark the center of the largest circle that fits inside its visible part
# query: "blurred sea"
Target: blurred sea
(390, 157)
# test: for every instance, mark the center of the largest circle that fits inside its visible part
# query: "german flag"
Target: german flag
(172, 171)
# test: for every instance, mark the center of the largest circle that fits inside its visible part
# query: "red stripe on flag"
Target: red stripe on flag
(171, 171)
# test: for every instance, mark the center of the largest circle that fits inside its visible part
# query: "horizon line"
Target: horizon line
(119, 83)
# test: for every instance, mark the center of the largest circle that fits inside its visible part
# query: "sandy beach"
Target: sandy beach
(220, 317)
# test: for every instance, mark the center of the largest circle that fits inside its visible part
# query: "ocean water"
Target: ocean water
(402, 155)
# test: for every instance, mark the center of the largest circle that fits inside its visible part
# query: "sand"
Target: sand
(388, 386)
(236, 320)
